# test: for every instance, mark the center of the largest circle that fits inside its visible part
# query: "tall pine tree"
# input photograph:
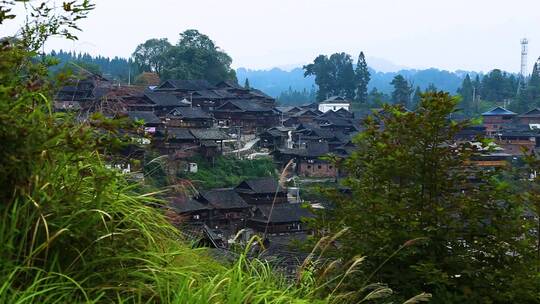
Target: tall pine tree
(402, 91)
(362, 79)
(466, 92)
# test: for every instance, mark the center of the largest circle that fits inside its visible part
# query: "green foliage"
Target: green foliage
(195, 56)
(467, 94)
(362, 79)
(431, 221)
(119, 69)
(74, 230)
(417, 97)
(498, 86)
(402, 91)
(229, 171)
(150, 56)
(293, 97)
(334, 75)
(376, 99)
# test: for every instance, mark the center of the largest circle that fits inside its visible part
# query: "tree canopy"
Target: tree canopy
(402, 91)
(334, 75)
(195, 56)
(431, 220)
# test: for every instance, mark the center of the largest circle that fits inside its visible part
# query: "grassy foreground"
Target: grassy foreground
(74, 231)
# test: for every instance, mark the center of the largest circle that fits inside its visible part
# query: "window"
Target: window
(319, 167)
(329, 167)
(309, 166)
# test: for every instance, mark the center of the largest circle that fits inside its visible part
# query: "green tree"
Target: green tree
(431, 88)
(150, 55)
(498, 86)
(533, 86)
(197, 57)
(362, 79)
(431, 220)
(466, 93)
(334, 75)
(402, 91)
(417, 96)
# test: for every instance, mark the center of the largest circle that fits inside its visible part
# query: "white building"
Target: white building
(334, 103)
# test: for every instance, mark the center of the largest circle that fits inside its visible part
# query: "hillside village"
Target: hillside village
(188, 119)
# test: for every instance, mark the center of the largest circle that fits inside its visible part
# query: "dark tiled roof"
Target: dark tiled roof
(147, 116)
(498, 111)
(336, 99)
(314, 150)
(180, 134)
(187, 85)
(224, 199)
(282, 213)
(244, 106)
(162, 99)
(228, 84)
(183, 205)
(288, 109)
(532, 113)
(190, 113)
(305, 112)
(209, 134)
(259, 185)
(260, 93)
(207, 94)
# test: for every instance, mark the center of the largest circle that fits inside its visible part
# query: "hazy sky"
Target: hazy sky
(446, 34)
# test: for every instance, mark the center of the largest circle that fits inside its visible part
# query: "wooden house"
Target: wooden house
(284, 218)
(249, 115)
(189, 117)
(228, 209)
(497, 118)
(262, 191)
(308, 160)
(531, 117)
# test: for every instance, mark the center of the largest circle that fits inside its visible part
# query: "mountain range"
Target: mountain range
(276, 80)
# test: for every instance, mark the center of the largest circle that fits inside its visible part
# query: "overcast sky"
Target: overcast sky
(447, 34)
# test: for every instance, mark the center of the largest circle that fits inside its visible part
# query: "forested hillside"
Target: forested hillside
(276, 81)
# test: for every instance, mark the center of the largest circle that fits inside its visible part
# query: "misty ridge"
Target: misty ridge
(275, 81)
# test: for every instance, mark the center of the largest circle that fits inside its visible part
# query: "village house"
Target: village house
(248, 115)
(150, 120)
(496, 118)
(531, 117)
(334, 103)
(308, 160)
(190, 209)
(84, 87)
(228, 209)
(160, 103)
(262, 191)
(514, 140)
(181, 143)
(200, 93)
(189, 117)
(276, 137)
(284, 218)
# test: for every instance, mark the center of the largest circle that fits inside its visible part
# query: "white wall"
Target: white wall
(325, 107)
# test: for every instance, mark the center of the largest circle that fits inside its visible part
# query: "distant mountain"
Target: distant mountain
(383, 65)
(276, 80)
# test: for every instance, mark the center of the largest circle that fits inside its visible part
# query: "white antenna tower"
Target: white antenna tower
(524, 51)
